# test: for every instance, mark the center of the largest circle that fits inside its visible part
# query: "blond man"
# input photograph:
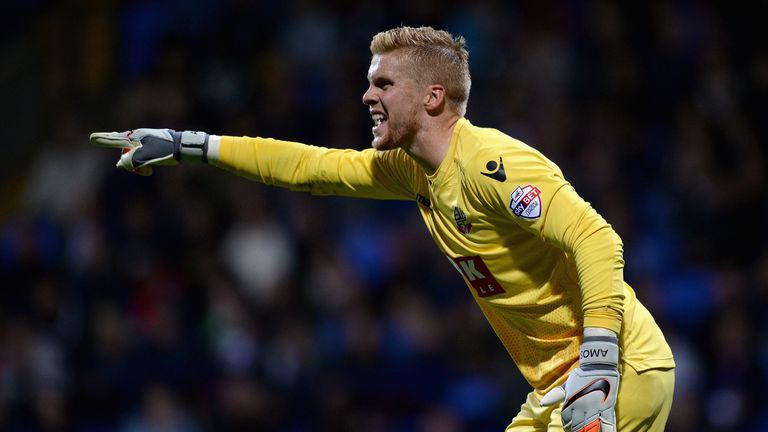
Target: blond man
(544, 267)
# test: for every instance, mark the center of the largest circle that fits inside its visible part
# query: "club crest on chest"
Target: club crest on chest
(461, 220)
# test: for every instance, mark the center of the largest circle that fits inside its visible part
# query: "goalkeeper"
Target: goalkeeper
(544, 267)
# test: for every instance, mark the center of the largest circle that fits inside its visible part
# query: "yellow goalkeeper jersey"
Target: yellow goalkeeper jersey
(538, 259)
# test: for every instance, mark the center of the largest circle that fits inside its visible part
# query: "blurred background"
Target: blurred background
(195, 300)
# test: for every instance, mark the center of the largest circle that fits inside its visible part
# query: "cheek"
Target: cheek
(403, 107)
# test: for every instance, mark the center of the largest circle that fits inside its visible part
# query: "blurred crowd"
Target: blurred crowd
(194, 300)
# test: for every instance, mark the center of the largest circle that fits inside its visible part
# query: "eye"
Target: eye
(382, 83)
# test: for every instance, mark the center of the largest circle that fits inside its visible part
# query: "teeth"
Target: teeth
(378, 119)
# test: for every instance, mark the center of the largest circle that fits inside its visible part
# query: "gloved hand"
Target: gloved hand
(143, 148)
(589, 393)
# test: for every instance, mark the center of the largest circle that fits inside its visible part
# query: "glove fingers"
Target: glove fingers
(607, 427)
(126, 159)
(114, 140)
(599, 424)
(126, 163)
(594, 426)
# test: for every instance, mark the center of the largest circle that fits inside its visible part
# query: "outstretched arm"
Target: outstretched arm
(319, 170)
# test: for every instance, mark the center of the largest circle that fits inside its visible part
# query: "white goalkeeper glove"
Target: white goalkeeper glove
(144, 148)
(589, 393)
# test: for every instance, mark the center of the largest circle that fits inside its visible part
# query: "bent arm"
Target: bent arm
(318, 170)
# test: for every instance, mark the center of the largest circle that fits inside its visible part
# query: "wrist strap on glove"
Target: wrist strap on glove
(192, 146)
(599, 352)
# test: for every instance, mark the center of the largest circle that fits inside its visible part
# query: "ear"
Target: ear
(434, 99)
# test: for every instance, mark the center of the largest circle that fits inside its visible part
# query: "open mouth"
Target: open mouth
(378, 120)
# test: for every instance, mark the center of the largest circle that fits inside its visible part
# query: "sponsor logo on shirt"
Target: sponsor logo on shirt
(461, 221)
(496, 171)
(525, 202)
(478, 276)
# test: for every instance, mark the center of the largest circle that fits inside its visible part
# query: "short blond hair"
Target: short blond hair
(437, 58)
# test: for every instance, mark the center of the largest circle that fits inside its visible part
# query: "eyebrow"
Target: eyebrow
(381, 80)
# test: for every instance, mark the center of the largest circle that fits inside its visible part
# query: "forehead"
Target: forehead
(391, 65)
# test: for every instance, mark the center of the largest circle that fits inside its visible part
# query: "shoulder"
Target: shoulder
(392, 158)
(489, 156)
(507, 174)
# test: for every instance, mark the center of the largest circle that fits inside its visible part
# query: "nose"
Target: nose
(369, 97)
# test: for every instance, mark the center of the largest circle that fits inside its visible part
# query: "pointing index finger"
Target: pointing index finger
(114, 140)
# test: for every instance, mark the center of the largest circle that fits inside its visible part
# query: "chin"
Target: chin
(381, 143)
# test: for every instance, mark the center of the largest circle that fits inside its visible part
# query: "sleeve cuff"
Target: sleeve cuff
(214, 143)
(611, 324)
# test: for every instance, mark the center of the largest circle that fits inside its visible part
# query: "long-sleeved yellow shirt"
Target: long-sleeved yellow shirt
(538, 259)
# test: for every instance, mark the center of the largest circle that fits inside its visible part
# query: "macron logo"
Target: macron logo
(496, 171)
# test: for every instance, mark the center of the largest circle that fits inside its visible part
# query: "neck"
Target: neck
(430, 145)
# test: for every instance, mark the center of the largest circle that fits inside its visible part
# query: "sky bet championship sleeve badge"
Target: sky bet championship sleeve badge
(525, 202)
